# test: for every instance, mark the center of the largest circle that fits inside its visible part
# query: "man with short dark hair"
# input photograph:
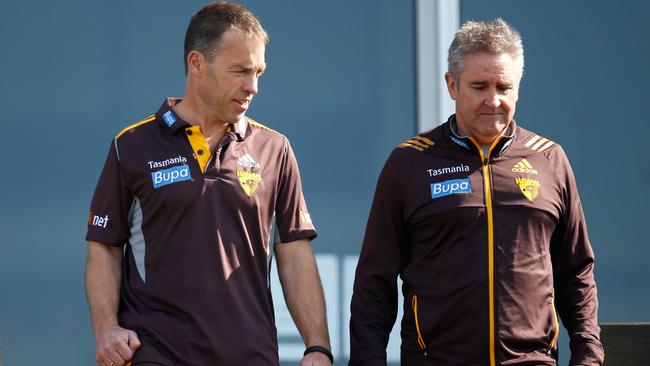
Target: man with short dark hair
(181, 230)
(482, 221)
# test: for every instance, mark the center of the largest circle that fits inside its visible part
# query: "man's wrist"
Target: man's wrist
(320, 349)
(105, 325)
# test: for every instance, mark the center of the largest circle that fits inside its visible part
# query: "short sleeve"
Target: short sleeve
(293, 221)
(109, 210)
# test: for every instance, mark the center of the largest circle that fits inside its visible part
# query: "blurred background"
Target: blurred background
(346, 81)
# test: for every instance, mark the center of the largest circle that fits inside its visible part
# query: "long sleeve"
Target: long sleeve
(374, 300)
(573, 265)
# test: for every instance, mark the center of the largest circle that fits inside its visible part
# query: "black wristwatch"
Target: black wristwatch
(320, 349)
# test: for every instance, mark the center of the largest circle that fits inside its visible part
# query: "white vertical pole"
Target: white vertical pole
(436, 23)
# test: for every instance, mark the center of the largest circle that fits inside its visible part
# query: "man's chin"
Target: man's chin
(236, 117)
(496, 126)
(489, 135)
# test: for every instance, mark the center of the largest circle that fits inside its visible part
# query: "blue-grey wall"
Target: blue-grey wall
(586, 87)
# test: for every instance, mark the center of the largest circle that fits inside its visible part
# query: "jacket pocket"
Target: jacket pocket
(421, 342)
(556, 329)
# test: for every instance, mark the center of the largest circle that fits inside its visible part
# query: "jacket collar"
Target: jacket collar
(465, 142)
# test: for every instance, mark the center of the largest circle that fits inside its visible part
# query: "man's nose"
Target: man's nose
(493, 100)
(250, 85)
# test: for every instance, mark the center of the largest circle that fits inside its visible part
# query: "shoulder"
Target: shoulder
(135, 127)
(267, 139)
(399, 162)
(422, 141)
(536, 143)
(418, 146)
(258, 128)
(132, 135)
(540, 145)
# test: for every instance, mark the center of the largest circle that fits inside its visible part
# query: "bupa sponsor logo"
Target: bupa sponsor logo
(448, 187)
(172, 175)
(169, 118)
(98, 221)
(448, 170)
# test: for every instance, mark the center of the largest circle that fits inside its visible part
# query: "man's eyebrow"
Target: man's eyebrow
(249, 67)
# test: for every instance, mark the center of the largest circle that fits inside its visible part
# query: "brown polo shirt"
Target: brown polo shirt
(197, 227)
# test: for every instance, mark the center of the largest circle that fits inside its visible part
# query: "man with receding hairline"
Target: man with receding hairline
(190, 206)
(482, 221)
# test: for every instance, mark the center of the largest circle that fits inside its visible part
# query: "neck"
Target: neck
(191, 110)
(484, 143)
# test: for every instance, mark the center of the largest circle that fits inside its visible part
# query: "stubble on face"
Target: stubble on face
(486, 93)
(231, 76)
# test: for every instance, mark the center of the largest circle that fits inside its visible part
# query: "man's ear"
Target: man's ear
(452, 85)
(195, 63)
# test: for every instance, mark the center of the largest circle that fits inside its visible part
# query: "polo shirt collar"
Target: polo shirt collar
(168, 119)
(241, 128)
(172, 122)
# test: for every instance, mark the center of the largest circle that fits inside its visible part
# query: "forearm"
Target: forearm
(303, 291)
(573, 275)
(373, 310)
(103, 275)
(577, 303)
(373, 307)
(579, 309)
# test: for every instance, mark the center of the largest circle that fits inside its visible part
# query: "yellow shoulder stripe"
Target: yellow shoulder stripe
(408, 144)
(257, 124)
(419, 143)
(425, 140)
(538, 143)
(146, 120)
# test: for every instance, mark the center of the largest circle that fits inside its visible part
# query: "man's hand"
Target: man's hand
(315, 359)
(115, 346)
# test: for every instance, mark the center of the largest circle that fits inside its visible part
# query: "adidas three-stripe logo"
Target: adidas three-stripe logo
(248, 162)
(539, 143)
(523, 166)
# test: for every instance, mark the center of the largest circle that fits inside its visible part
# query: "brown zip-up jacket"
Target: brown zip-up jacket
(490, 249)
